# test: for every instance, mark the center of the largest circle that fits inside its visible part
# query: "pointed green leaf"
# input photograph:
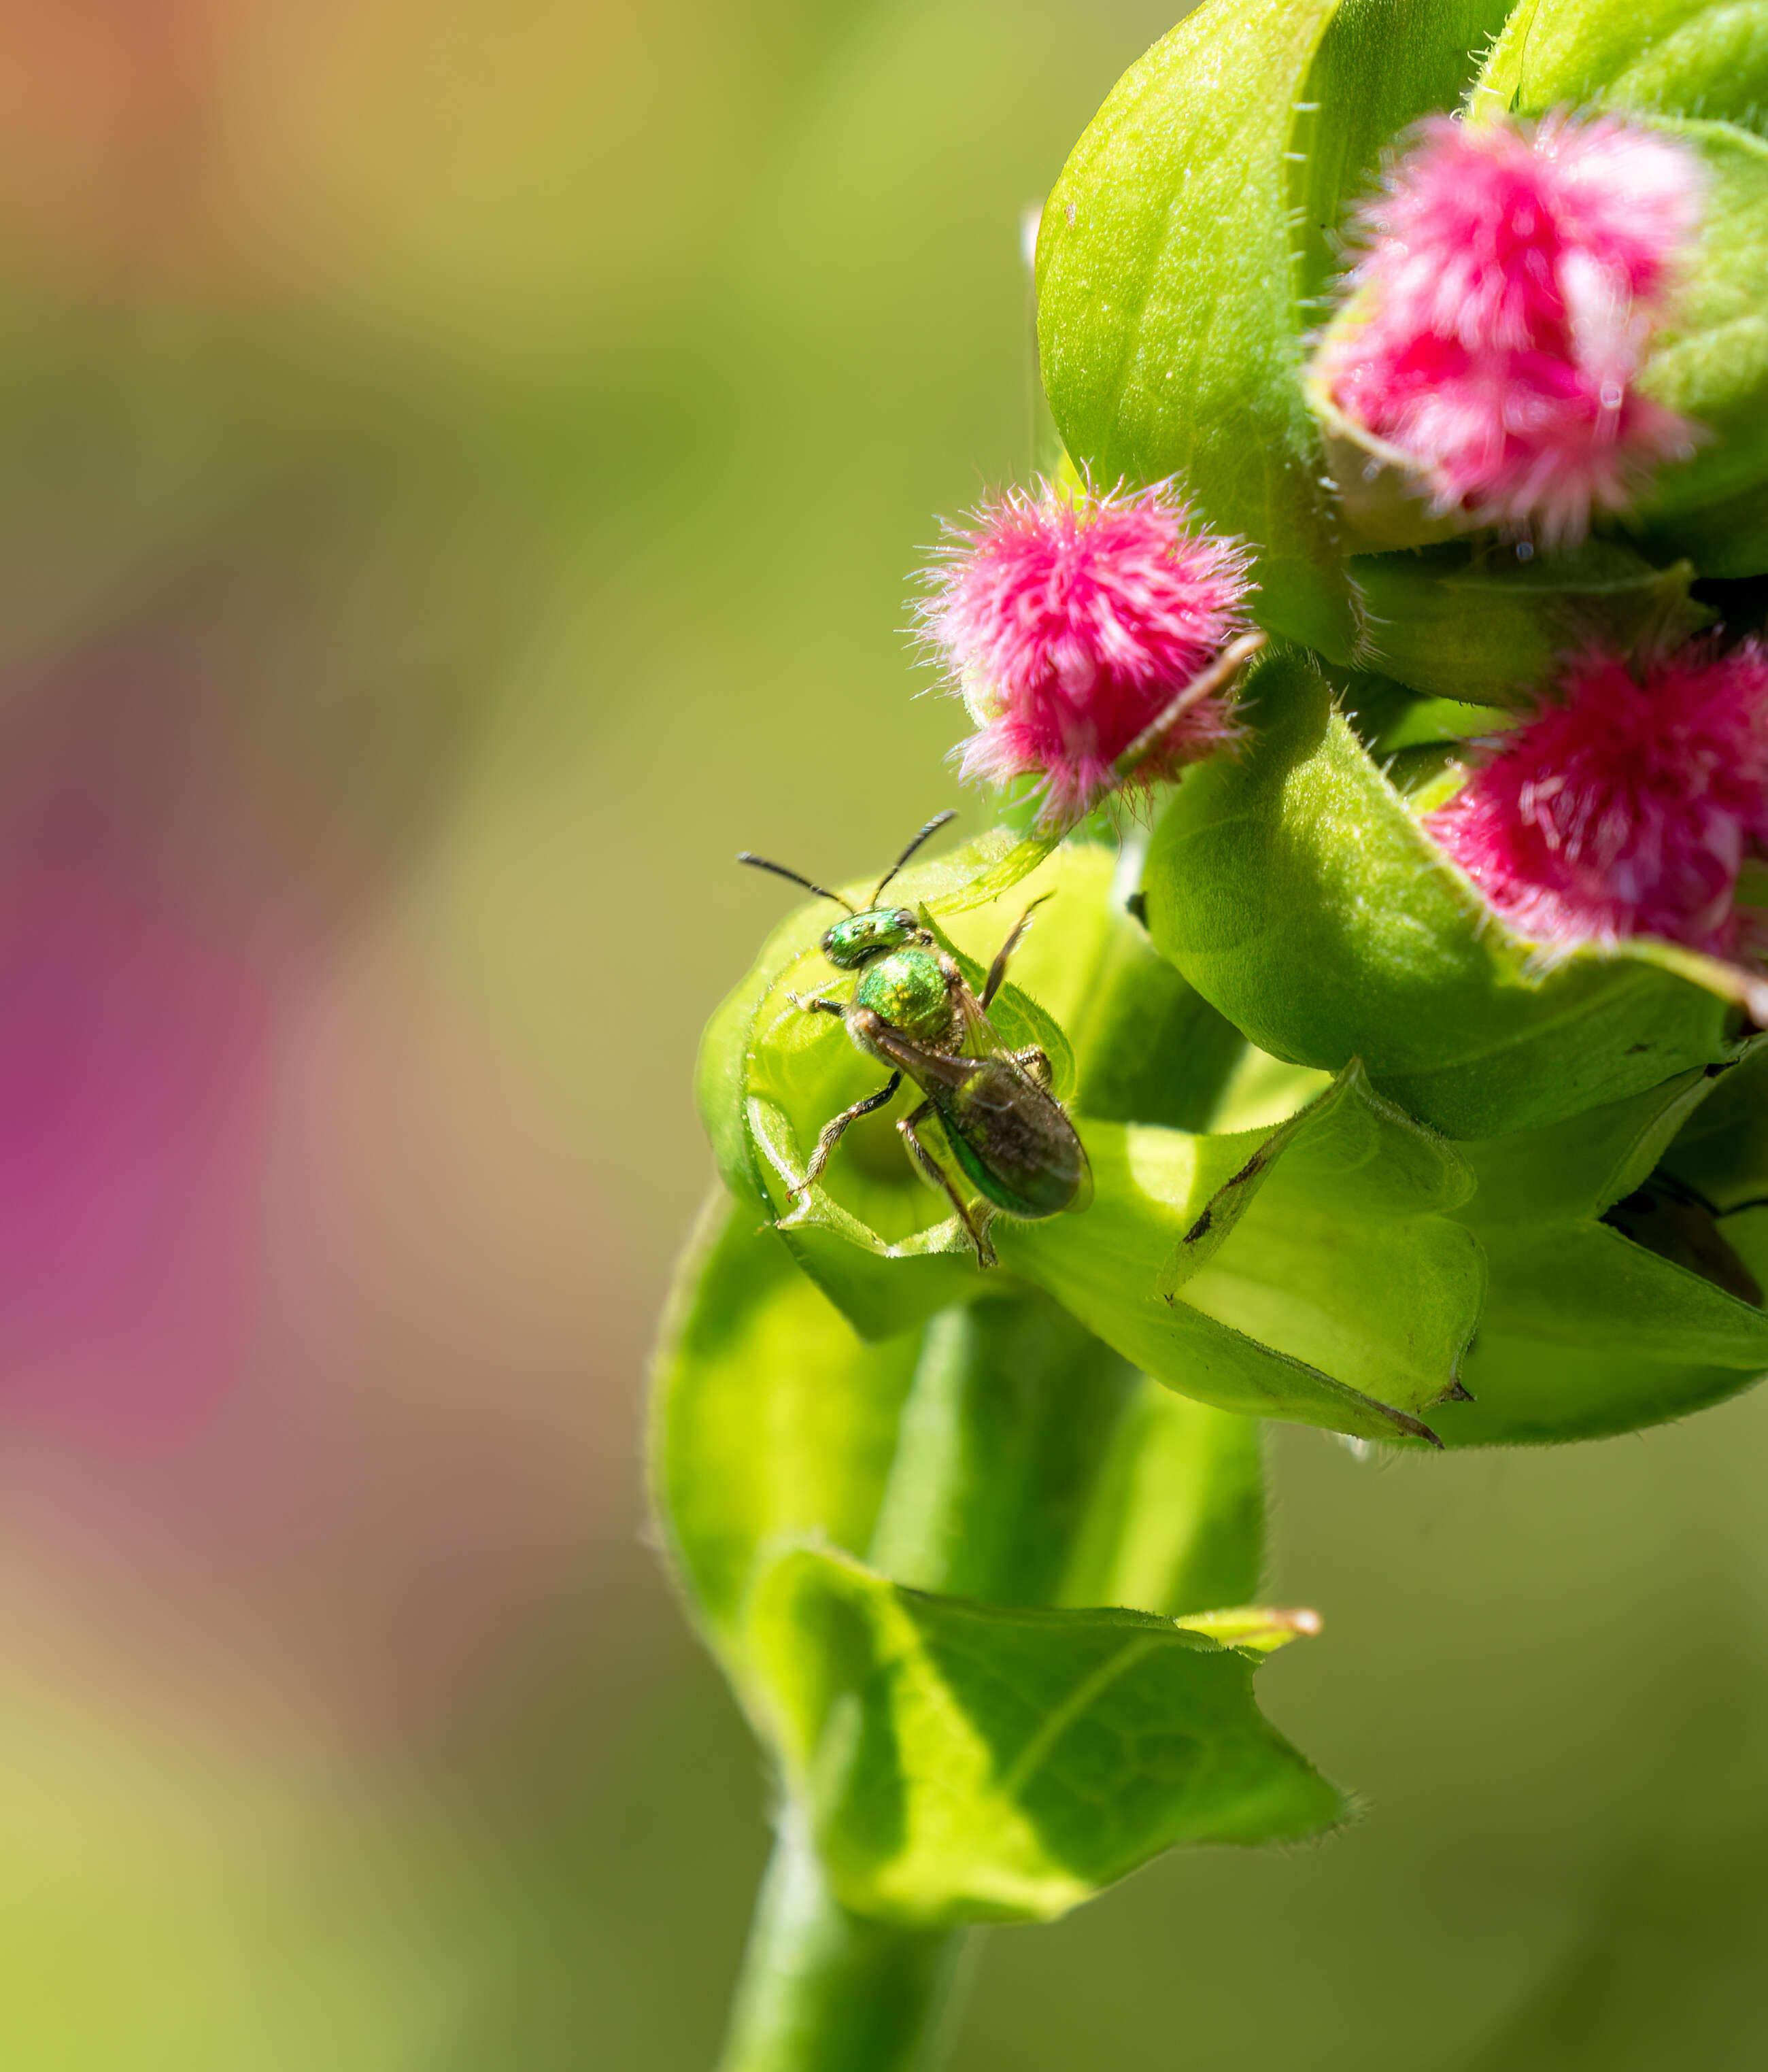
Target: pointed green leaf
(1610, 1309)
(1587, 1285)
(1307, 1271)
(1536, 1392)
(962, 1762)
(1347, 1147)
(1293, 888)
(1722, 1150)
(1572, 1171)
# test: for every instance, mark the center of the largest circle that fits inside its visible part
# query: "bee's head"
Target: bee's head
(857, 938)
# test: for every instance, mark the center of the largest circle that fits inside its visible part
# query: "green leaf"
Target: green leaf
(1588, 1286)
(1702, 58)
(1722, 1150)
(1587, 1332)
(1294, 891)
(1572, 1171)
(1533, 1391)
(1381, 65)
(1168, 319)
(1177, 1520)
(772, 1420)
(1308, 1272)
(962, 1762)
(1473, 622)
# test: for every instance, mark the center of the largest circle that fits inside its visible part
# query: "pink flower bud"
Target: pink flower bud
(1627, 808)
(1510, 282)
(1092, 638)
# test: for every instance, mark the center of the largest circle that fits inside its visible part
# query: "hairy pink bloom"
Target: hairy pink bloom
(1627, 807)
(1075, 625)
(1510, 284)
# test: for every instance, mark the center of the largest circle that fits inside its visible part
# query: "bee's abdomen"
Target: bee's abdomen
(1016, 1145)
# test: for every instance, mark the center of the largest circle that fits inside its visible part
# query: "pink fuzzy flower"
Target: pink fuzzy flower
(1510, 282)
(1087, 635)
(1628, 807)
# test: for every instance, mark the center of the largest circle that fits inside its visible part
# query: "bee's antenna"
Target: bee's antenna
(779, 870)
(933, 827)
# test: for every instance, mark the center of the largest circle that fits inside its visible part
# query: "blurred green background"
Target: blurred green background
(462, 467)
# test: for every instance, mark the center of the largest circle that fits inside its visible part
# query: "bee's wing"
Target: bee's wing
(1019, 1135)
(932, 1070)
(1022, 1135)
(980, 1037)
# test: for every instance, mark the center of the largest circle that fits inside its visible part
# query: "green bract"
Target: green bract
(967, 1763)
(1307, 1271)
(1475, 622)
(1609, 1307)
(1293, 888)
(1706, 57)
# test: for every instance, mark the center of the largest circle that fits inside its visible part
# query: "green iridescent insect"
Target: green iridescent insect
(912, 1010)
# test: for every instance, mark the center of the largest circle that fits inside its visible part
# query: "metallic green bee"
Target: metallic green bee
(912, 1010)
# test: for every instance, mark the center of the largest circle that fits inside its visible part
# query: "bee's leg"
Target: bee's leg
(1035, 1062)
(831, 1132)
(997, 971)
(933, 1171)
(811, 1004)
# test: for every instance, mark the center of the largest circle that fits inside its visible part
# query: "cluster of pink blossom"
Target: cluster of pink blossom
(1510, 281)
(1511, 278)
(1088, 634)
(1628, 805)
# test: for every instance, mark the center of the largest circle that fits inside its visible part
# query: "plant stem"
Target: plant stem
(1011, 1410)
(826, 1991)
